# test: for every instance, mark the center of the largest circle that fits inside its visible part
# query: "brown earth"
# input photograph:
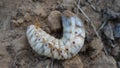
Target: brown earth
(16, 15)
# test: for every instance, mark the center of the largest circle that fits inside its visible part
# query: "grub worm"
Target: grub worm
(66, 47)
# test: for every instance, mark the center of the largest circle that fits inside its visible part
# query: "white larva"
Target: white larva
(66, 47)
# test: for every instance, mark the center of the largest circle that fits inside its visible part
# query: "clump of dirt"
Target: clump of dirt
(54, 20)
(74, 62)
(16, 15)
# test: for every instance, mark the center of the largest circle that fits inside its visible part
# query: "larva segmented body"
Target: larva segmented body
(66, 47)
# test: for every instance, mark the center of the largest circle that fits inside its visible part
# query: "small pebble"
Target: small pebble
(20, 20)
(108, 31)
(75, 62)
(15, 22)
(115, 51)
(118, 64)
(27, 17)
(95, 47)
(54, 20)
(39, 10)
(117, 31)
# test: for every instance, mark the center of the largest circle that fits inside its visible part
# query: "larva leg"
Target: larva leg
(41, 51)
(65, 55)
(80, 33)
(46, 49)
(55, 53)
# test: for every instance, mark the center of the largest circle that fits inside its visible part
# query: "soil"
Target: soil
(16, 15)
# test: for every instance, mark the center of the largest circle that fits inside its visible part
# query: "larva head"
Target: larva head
(37, 23)
(72, 26)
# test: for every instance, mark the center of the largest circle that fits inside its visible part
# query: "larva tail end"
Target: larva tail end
(29, 29)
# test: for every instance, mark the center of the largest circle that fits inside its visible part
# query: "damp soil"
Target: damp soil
(97, 52)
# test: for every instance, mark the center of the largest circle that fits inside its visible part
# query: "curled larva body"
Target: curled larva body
(66, 47)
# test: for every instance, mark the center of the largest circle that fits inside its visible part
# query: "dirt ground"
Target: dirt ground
(16, 15)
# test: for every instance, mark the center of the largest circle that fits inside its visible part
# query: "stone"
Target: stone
(69, 4)
(19, 44)
(75, 62)
(96, 47)
(20, 21)
(108, 31)
(103, 61)
(27, 17)
(115, 51)
(117, 31)
(39, 10)
(54, 20)
(15, 22)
